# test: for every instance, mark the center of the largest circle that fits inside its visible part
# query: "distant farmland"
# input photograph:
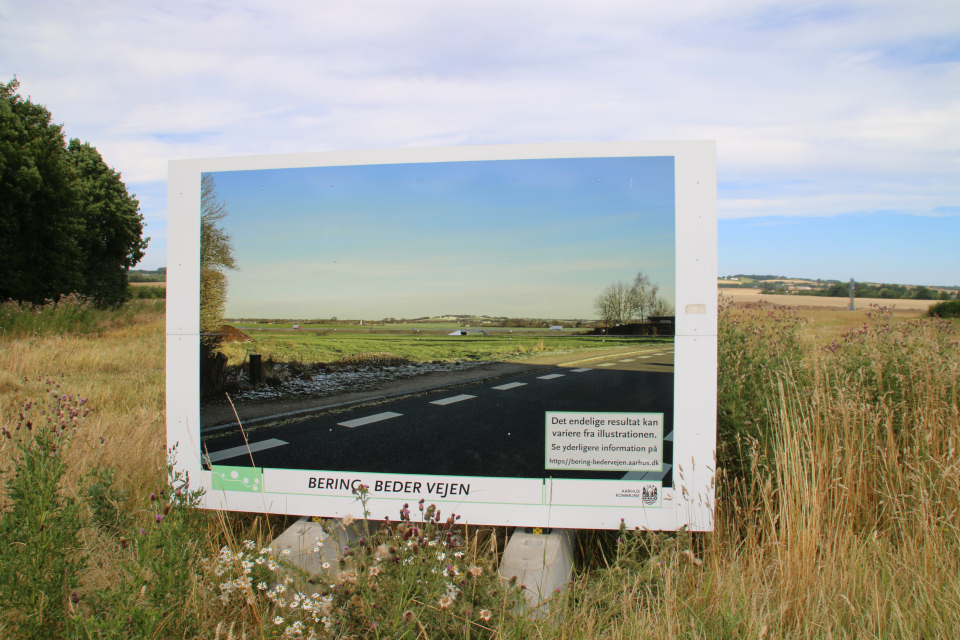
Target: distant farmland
(819, 302)
(311, 344)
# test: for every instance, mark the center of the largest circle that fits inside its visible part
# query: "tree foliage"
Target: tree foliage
(67, 223)
(621, 302)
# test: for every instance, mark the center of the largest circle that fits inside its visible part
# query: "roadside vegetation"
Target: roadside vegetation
(838, 494)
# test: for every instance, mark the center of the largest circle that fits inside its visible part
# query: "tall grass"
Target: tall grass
(838, 505)
(71, 314)
(838, 515)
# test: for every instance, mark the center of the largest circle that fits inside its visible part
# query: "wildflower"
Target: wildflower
(485, 615)
(347, 520)
(374, 571)
(296, 629)
(409, 616)
(249, 545)
(325, 565)
(278, 620)
(159, 518)
(262, 586)
(445, 602)
(382, 552)
(475, 571)
(285, 552)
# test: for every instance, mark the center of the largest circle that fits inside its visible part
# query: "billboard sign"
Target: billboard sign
(524, 335)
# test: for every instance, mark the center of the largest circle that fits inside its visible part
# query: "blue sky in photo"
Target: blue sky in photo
(517, 238)
(829, 116)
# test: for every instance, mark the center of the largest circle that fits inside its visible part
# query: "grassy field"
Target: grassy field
(838, 494)
(332, 346)
(422, 327)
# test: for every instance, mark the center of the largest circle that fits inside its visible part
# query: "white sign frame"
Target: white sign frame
(513, 502)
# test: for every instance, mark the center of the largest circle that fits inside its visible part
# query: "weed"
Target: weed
(41, 556)
(397, 579)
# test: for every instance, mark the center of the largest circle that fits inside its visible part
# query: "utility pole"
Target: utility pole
(853, 304)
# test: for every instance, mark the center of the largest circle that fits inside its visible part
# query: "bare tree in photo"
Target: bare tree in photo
(615, 305)
(622, 303)
(216, 256)
(661, 307)
(644, 295)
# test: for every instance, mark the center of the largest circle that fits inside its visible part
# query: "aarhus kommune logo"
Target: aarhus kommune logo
(649, 495)
(237, 478)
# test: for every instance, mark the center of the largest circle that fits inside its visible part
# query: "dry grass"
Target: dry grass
(845, 523)
(121, 371)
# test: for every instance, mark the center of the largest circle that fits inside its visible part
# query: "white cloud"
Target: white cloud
(857, 100)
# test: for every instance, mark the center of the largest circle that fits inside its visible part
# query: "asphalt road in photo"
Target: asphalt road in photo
(492, 428)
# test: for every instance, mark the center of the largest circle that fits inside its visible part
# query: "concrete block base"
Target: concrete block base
(542, 562)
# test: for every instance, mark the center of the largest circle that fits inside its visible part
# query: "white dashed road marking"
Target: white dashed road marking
(512, 385)
(606, 364)
(550, 376)
(453, 399)
(630, 360)
(580, 370)
(233, 452)
(642, 357)
(377, 417)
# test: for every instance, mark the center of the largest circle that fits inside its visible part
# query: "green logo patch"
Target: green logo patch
(237, 478)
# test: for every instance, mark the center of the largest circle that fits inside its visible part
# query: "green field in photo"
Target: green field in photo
(330, 346)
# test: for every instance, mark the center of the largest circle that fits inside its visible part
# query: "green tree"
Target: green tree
(923, 293)
(67, 223)
(111, 236)
(39, 256)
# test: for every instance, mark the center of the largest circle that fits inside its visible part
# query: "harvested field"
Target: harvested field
(819, 302)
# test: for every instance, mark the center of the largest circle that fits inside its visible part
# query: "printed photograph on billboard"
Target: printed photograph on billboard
(495, 330)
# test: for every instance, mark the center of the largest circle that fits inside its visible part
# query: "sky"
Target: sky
(838, 145)
(515, 238)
